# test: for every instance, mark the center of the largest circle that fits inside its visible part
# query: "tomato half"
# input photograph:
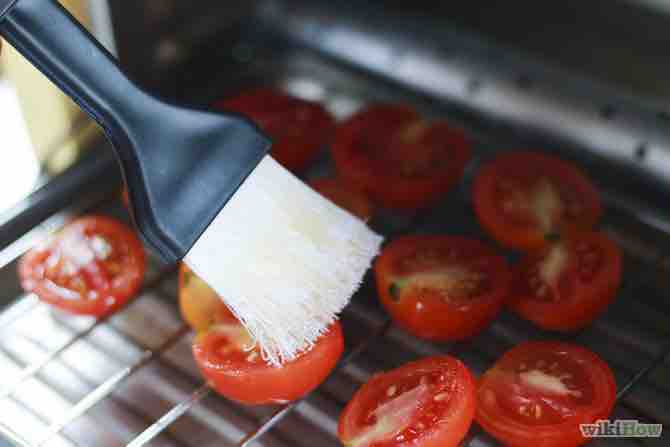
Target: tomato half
(228, 359)
(441, 287)
(92, 266)
(538, 393)
(523, 199)
(399, 159)
(351, 200)
(568, 284)
(427, 403)
(298, 128)
(199, 304)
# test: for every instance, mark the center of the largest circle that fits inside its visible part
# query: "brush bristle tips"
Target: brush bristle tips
(285, 260)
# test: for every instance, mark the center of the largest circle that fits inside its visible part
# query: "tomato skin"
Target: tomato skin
(429, 317)
(532, 165)
(586, 300)
(298, 128)
(351, 200)
(371, 149)
(452, 425)
(506, 427)
(116, 287)
(260, 383)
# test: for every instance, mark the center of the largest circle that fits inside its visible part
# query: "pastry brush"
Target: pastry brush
(203, 189)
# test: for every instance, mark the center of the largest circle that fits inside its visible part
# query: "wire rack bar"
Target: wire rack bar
(107, 387)
(23, 306)
(168, 418)
(642, 373)
(15, 437)
(33, 368)
(287, 409)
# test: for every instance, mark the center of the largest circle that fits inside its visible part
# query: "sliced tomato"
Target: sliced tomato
(298, 128)
(399, 159)
(441, 287)
(350, 199)
(524, 199)
(427, 403)
(568, 284)
(539, 393)
(229, 360)
(199, 304)
(92, 266)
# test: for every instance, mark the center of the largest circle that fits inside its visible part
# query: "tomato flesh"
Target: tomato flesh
(566, 286)
(351, 200)
(429, 402)
(524, 199)
(539, 392)
(91, 267)
(200, 305)
(441, 287)
(234, 366)
(400, 160)
(298, 128)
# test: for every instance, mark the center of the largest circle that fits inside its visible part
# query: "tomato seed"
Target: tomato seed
(440, 397)
(538, 411)
(390, 392)
(253, 356)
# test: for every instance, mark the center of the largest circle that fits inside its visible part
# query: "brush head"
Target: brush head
(285, 260)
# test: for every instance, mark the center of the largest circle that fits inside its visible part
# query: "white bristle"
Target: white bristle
(285, 260)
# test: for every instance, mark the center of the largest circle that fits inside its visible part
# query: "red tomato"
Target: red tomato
(441, 287)
(538, 393)
(523, 199)
(92, 266)
(427, 403)
(351, 200)
(298, 128)
(228, 359)
(400, 160)
(568, 284)
(199, 304)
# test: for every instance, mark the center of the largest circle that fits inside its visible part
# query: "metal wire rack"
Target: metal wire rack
(129, 379)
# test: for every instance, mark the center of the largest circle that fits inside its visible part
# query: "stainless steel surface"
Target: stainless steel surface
(131, 380)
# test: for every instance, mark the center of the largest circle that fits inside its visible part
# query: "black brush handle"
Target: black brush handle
(181, 165)
(53, 41)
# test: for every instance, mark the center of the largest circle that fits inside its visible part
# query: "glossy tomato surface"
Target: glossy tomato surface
(339, 193)
(441, 287)
(399, 159)
(566, 286)
(199, 304)
(228, 359)
(92, 266)
(538, 393)
(524, 199)
(428, 403)
(298, 128)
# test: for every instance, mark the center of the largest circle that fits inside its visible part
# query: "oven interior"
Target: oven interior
(130, 379)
